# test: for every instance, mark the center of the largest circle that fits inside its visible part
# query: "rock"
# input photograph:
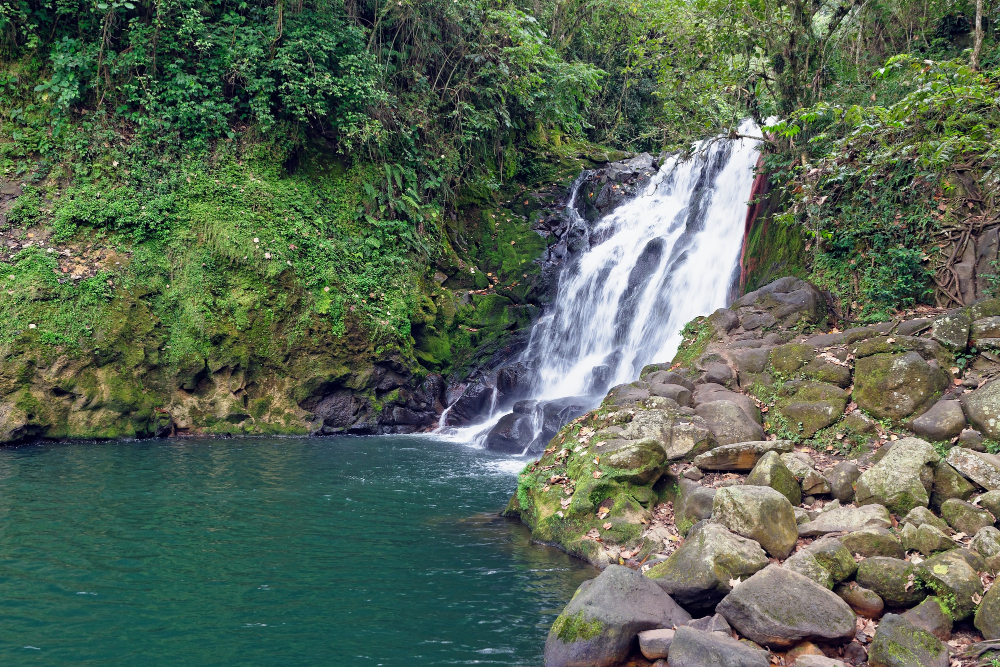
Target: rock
(697, 575)
(987, 619)
(859, 422)
(873, 542)
(981, 468)
(724, 320)
(740, 455)
(926, 539)
(953, 576)
(815, 484)
(780, 608)
(806, 564)
(991, 501)
(933, 616)
(826, 561)
(680, 435)
(718, 373)
(511, 435)
(697, 648)
(655, 644)
(898, 643)
(770, 471)
(841, 478)
(892, 579)
(855, 653)
(707, 393)
(810, 406)
(972, 439)
(787, 300)
(952, 330)
(752, 360)
(638, 462)
(669, 377)
(986, 542)
(948, 483)
(799, 463)
(599, 625)
(847, 519)
(985, 332)
(894, 386)
(983, 408)
(965, 517)
(818, 661)
(713, 623)
(803, 649)
(759, 513)
(801, 516)
(864, 602)
(943, 421)
(918, 516)
(729, 423)
(675, 392)
(902, 480)
(694, 503)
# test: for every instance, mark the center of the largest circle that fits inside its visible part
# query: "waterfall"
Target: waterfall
(655, 263)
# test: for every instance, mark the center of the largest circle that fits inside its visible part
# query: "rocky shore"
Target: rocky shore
(783, 492)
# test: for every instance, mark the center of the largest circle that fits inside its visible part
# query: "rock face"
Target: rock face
(903, 478)
(599, 625)
(780, 608)
(759, 513)
(697, 575)
(740, 455)
(943, 421)
(770, 471)
(981, 468)
(898, 643)
(696, 648)
(894, 386)
(983, 408)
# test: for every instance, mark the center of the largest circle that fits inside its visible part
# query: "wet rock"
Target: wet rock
(892, 579)
(697, 575)
(965, 517)
(895, 386)
(902, 480)
(873, 542)
(987, 619)
(514, 380)
(740, 455)
(599, 625)
(986, 542)
(759, 513)
(952, 330)
(697, 648)
(979, 467)
(729, 423)
(926, 539)
(948, 483)
(953, 576)
(780, 608)
(898, 643)
(655, 644)
(918, 516)
(983, 408)
(841, 478)
(511, 435)
(847, 519)
(770, 471)
(864, 602)
(475, 399)
(933, 616)
(943, 421)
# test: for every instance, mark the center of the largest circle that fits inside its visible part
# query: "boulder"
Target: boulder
(697, 575)
(809, 406)
(987, 619)
(894, 580)
(787, 300)
(718, 373)
(991, 501)
(713, 623)
(948, 483)
(903, 478)
(724, 320)
(894, 386)
(707, 393)
(668, 377)
(599, 625)
(740, 455)
(983, 408)
(729, 423)
(637, 462)
(943, 421)
(697, 648)
(873, 542)
(675, 392)
(953, 576)
(680, 435)
(759, 513)
(933, 616)
(965, 517)
(952, 330)
(511, 435)
(826, 561)
(770, 471)
(918, 516)
(818, 661)
(899, 643)
(800, 463)
(806, 564)
(847, 519)
(655, 644)
(926, 539)
(980, 467)
(815, 484)
(986, 542)
(694, 503)
(780, 608)
(841, 478)
(864, 602)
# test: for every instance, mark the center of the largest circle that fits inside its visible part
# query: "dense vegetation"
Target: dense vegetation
(277, 173)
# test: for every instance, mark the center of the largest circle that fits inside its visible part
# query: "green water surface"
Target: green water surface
(327, 551)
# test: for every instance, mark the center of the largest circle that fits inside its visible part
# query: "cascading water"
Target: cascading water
(656, 262)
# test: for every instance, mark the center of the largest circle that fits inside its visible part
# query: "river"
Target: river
(271, 551)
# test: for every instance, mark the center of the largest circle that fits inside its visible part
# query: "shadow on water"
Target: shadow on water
(330, 551)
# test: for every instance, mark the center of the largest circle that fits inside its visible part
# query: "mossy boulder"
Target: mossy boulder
(898, 643)
(948, 483)
(637, 462)
(740, 455)
(903, 478)
(918, 516)
(809, 406)
(965, 517)
(870, 542)
(894, 580)
(847, 519)
(986, 542)
(864, 602)
(954, 579)
(759, 513)
(895, 386)
(770, 471)
(729, 423)
(987, 619)
(926, 539)
(983, 408)
(952, 330)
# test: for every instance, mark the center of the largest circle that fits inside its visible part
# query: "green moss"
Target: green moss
(575, 628)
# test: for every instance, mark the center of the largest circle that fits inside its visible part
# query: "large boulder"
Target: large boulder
(870, 542)
(847, 519)
(927, 539)
(780, 608)
(841, 478)
(952, 330)
(679, 434)
(965, 517)
(894, 386)
(697, 575)
(863, 601)
(903, 478)
(986, 543)
(599, 625)
(933, 615)
(729, 423)
(759, 513)
(983, 408)
(786, 300)
(694, 503)
(899, 643)
(809, 406)
(894, 580)
(511, 435)
(637, 462)
(770, 471)
(953, 576)
(740, 455)
(980, 467)
(943, 421)
(696, 648)
(948, 483)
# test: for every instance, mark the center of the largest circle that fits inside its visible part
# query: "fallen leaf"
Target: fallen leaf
(909, 582)
(597, 474)
(890, 340)
(560, 514)
(565, 502)
(597, 460)
(733, 583)
(603, 512)
(940, 568)
(977, 598)
(546, 488)
(607, 526)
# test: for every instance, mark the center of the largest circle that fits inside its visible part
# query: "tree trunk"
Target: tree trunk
(977, 45)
